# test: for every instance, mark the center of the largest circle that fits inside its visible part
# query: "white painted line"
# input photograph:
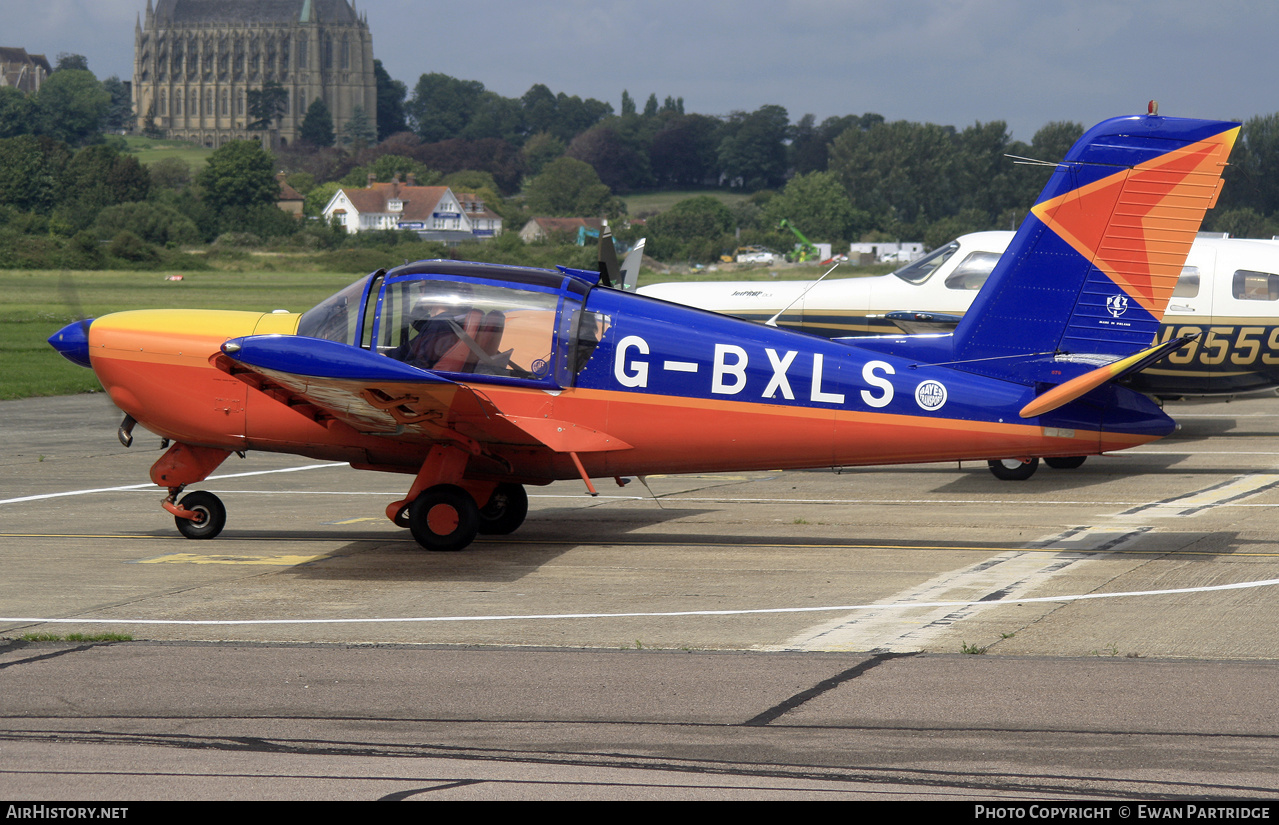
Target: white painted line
(670, 614)
(154, 487)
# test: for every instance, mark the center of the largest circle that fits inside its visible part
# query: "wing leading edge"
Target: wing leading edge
(380, 396)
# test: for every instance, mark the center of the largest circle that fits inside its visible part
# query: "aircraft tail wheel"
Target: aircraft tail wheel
(211, 512)
(1013, 469)
(505, 510)
(1065, 462)
(444, 518)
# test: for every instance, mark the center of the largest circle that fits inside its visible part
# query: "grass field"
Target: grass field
(149, 150)
(34, 305)
(654, 202)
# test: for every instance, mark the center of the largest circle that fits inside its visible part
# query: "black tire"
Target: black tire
(444, 518)
(1012, 469)
(212, 516)
(505, 510)
(1070, 462)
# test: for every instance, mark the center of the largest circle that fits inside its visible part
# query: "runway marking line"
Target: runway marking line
(396, 539)
(657, 614)
(195, 558)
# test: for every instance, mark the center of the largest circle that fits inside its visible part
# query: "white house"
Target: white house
(434, 212)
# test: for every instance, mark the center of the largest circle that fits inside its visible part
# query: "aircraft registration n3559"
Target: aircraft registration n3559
(479, 379)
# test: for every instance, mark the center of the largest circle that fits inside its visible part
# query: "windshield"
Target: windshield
(335, 317)
(973, 271)
(919, 271)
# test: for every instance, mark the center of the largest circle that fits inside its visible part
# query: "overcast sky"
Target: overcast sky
(951, 62)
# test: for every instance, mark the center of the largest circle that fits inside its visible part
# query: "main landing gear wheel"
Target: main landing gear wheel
(1066, 462)
(212, 516)
(1013, 469)
(505, 511)
(444, 518)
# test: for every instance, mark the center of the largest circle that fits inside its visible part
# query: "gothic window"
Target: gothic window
(208, 102)
(239, 104)
(164, 104)
(328, 53)
(284, 56)
(346, 53)
(177, 102)
(301, 52)
(225, 102)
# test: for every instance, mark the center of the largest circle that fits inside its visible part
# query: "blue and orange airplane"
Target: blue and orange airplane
(479, 379)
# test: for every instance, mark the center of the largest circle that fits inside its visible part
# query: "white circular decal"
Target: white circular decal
(930, 395)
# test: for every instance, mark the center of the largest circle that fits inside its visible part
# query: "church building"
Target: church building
(195, 61)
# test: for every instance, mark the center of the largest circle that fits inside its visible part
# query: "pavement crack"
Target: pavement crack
(821, 687)
(52, 655)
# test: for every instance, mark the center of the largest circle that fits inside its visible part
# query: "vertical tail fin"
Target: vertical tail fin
(1093, 266)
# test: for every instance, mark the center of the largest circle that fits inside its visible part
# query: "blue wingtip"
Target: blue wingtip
(72, 342)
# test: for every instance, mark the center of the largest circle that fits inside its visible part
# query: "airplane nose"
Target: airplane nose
(72, 341)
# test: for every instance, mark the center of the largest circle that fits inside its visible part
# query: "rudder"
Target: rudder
(1092, 268)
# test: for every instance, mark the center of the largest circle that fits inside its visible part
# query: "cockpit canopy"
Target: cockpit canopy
(505, 323)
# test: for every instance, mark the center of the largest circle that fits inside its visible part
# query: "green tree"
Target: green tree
(317, 126)
(752, 153)
(71, 105)
(622, 164)
(386, 167)
(1251, 179)
(119, 117)
(898, 172)
(390, 103)
(442, 106)
(266, 105)
(561, 115)
(628, 104)
(818, 206)
(568, 187)
(98, 177)
(155, 223)
(359, 130)
(685, 151)
(540, 150)
(695, 228)
(170, 173)
(495, 116)
(17, 113)
(319, 197)
(72, 61)
(31, 173)
(239, 174)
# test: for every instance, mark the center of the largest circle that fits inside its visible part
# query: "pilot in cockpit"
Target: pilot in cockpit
(437, 324)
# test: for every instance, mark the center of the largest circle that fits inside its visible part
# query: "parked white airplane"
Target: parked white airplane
(1228, 293)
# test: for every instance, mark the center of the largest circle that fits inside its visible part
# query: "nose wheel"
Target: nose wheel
(444, 518)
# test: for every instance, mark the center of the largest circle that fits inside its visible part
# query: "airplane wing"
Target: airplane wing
(377, 395)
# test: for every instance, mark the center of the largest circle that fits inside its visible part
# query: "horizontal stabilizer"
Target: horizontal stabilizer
(1063, 394)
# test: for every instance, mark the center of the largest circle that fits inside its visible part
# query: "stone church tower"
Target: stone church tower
(195, 61)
